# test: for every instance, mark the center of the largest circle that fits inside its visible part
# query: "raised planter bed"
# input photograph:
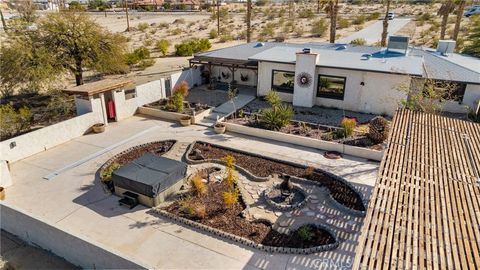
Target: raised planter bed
(306, 141)
(260, 168)
(162, 112)
(228, 222)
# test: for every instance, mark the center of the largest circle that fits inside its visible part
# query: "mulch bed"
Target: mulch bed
(162, 105)
(158, 148)
(230, 220)
(263, 167)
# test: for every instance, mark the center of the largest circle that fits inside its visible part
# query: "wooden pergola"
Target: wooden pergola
(231, 64)
(94, 88)
(424, 212)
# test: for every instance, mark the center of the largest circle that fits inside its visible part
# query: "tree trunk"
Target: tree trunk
(460, 8)
(218, 17)
(78, 72)
(445, 11)
(3, 21)
(333, 10)
(383, 42)
(249, 20)
(318, 6)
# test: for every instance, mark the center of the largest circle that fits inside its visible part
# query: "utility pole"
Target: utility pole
(249, 20)
(126, 12)
(218, 17)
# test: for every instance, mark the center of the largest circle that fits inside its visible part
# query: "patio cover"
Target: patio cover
(149, 175)
(93, 88)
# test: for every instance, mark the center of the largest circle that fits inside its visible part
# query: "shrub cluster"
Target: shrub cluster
(14, 122)
(191, 46)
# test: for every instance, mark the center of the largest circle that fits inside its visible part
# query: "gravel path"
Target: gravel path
(316, 114)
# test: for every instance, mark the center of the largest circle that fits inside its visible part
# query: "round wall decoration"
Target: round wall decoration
(304, 79)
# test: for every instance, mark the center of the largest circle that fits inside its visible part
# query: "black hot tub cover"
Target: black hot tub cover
(149, 175)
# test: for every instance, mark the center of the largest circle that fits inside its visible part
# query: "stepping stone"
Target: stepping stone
(278, 214)
(314, 201)
(257, 216)
(283, 223)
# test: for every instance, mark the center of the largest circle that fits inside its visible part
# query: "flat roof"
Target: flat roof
(424, 212)
(379, 62)
(93, 88)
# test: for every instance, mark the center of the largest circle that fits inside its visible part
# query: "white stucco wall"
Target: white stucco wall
(469, 102)
(76, 249)
(144, 94)
(252, 76)
(379, 95)
(47, 137)
(192, 76)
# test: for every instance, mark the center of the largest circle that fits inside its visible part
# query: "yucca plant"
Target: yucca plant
(277, 117)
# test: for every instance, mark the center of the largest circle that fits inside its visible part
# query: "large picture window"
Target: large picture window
(282, 81)
(331, 87)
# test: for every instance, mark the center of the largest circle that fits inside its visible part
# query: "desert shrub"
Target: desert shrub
(183, 49)
(348, 125)
(138, 55)
(242, 35)
(213, 34)
(106, 175)
(319, 27)
(162, 46)
(373, 16)
(378, 129)
(424, 17)
(306, 233)
(306, 13)
(231, 197)
(225, 38)
(177, 101)
(13, 122)
(176, 31)
(188, 47)
(186, 206)
(231, 173)
(262, 2)
(273, 98)
(198, 185)
(163, 25)
(358, 41)
(299, 31)
(359, 20)
(200, 210)
(142, 26)
(60, 104)
(277, 117)
(268, 31)
(148, 42)
(343, 23)
(145, 63)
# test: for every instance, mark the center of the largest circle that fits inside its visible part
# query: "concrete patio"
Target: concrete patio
(75, 200)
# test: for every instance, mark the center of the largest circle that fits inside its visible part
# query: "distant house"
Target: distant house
(358, 78)
(184, 4)
(155, 4)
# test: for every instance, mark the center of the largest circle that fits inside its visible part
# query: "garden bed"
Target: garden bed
(341, 191)
(231, 221)
(189, 107)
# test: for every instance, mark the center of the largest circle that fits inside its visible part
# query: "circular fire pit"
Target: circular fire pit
(285, 196)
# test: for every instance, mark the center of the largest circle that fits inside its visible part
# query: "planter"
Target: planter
(185, 121)
(220, 128)
(2, 193)
(98, 128)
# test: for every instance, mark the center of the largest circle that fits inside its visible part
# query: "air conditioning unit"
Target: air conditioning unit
(446, 47)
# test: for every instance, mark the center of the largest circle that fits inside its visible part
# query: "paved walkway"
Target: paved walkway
(75, 200)
(373, 33)
(226, 109)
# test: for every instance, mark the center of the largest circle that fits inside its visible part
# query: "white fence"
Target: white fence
(76, 249)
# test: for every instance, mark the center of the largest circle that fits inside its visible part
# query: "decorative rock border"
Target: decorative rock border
(251, 243)
(283, 207)
(264, 179)
(112, 159)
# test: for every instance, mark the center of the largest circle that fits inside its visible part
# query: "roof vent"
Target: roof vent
(341, 47)
(446, 47)
(306, 50)
(259, 44)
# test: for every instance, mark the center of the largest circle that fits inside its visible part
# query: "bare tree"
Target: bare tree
(460, 7)
(383, 42)
(444, 11)
(26, 9)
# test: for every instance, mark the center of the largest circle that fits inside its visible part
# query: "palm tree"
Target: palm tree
(331, 6)
(383, 42)
(460, 7)
(218, 17)
(444, 11)
(249, 20)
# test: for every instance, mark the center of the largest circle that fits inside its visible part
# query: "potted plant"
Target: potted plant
(2, 193)
(219, 127)
(99, 128)
(185, 121)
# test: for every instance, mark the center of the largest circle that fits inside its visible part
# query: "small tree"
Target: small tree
(427, 95)
(14, 122)
(473, 40)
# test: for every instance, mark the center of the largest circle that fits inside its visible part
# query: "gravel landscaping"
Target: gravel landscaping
(213, 98)
(316, 114)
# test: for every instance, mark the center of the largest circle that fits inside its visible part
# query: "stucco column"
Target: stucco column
(304, 90)
(104, 109)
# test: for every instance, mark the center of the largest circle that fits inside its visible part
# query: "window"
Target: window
(282, 81)
(130, 94)
(331, 87)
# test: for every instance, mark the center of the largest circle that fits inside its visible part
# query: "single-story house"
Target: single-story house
(358, 78)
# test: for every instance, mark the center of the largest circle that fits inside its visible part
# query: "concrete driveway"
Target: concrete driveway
(74, 200)
(373, 33)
